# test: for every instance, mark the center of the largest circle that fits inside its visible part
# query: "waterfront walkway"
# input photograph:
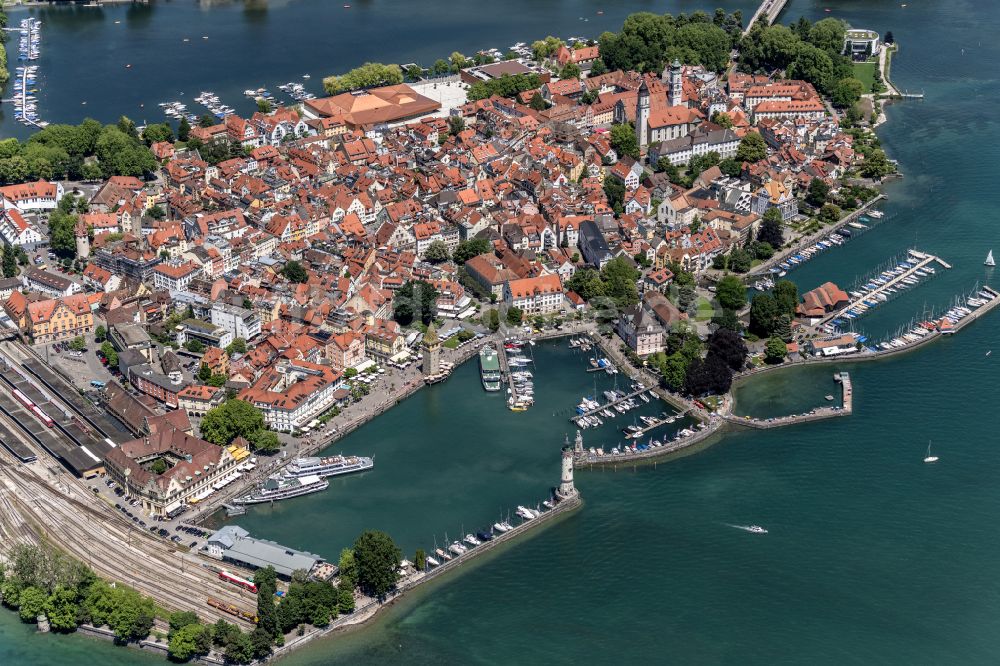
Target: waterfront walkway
(811, 239)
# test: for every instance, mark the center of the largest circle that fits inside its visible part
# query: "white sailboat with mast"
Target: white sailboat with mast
(989, 259)
(929, 458)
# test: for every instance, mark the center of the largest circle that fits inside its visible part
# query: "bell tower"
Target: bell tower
(676, 95)
(642, 116)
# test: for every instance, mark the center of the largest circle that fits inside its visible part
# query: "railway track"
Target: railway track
(115, 549)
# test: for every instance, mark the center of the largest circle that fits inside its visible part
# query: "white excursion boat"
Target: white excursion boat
(327, 466)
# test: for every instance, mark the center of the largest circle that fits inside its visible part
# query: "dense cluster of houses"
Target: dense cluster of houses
(361, 188)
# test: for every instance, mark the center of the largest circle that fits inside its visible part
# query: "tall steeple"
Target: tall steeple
(642, 116)
(675, 96)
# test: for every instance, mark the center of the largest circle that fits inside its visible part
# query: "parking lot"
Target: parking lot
(109, 491)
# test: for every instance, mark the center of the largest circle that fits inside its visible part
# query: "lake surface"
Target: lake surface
(175, 50)
(872, 556)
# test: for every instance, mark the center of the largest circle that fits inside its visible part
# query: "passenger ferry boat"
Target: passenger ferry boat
(327, 466)
(489, 368)
(280, 487)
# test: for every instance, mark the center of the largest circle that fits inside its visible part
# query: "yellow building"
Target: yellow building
(59, 318)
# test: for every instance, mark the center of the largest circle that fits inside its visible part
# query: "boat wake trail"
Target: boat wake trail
(756, 529)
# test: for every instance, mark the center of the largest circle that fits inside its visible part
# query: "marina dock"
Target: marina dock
(608, 405)
(918, 269)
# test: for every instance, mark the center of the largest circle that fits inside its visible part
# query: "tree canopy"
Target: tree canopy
(731, 292)
(752, 148)
(294, 272)
(648, 41)
(233, 418)
(368, 75)
(378, 559)
(468, 249)
(415, 300)
(504, 86)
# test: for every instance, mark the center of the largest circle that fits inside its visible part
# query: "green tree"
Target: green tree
(9, 262)
(157, 132)
(108, 352)
(437, 252)
(456, 124)
(195, 346)
(770, 231)
(570, 71)
(624, 140)
(828, 35)
(538, 102)
(204, 373)
(752, 148)
(441, 66)
(267, 615)
(468, 249)
(78, 343)
(846, 92)
(62, 608)
(786, 295)
(263, 105)
(731, 292)
(31, 602)
(775, 351)
(222, 631)
(264, 441)
(614, 191)
(722, 119)
(188, 641)
(237, 346)
(415, 300)
(763, 315)
(345, 598)
(294, 272)
(368, 75)
(740, 260)
(239, 649)
(876, 165)
(261, 640)
(492, 319)
(414, 72)
(546, 48)
(184, 129)
(232, 419)
(674, 371)
(514, 315)
(620, 280)
(813, 65)
(768, 48)
(818, 192)
(829, 213)
(348, 567)
(420, 559)
(378, 560)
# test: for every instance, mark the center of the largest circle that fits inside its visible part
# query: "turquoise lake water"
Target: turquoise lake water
(871, 557)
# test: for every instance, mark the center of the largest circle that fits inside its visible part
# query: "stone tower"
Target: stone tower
(578, 445)
(566, 488)
(82, 241)
(642, 116)
(430, 349)
(676, 95)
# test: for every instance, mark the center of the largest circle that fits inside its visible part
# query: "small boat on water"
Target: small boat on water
(929, 458)
(431, 561)
(989, 260)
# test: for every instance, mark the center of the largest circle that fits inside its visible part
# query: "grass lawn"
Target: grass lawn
(451, 343)
(865, 72)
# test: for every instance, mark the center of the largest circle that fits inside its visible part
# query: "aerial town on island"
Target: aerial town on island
(192, 313)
